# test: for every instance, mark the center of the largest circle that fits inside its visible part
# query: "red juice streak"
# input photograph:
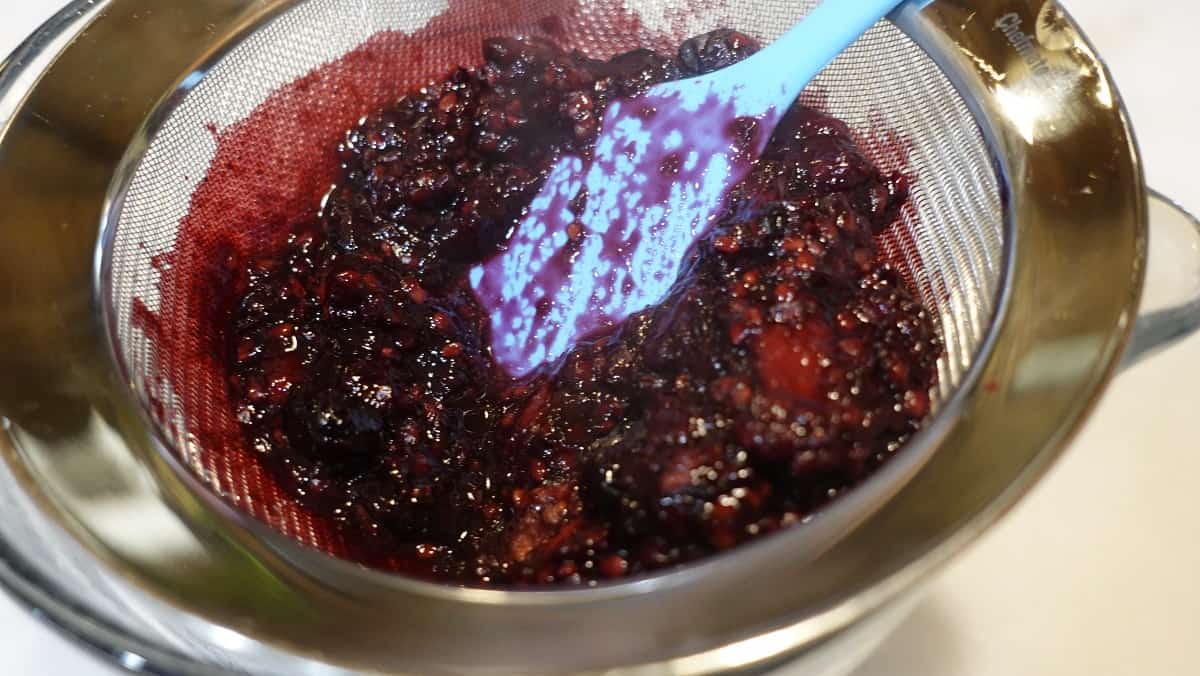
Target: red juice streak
(270, 171)
(146, 321)
(162, 262)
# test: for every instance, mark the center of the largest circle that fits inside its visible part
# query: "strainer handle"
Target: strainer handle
(1171, 298)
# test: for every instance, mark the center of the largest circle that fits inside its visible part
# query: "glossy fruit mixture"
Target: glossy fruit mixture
(787, 363)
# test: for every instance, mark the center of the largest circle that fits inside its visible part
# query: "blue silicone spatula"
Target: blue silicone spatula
(662, 165)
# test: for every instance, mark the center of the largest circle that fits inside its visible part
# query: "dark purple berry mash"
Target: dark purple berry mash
(784, 367)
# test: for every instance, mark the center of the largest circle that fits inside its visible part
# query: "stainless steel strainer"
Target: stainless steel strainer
(1027, 236)
(949, 242)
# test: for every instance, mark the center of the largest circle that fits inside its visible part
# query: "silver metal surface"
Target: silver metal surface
(187, 573)
(1171, 302)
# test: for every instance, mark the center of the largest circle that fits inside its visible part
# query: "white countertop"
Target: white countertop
(1095, 573)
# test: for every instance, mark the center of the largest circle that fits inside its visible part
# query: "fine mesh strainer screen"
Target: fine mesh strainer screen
(249, 150)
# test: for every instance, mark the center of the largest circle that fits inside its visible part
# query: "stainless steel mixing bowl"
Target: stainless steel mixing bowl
(111, 536)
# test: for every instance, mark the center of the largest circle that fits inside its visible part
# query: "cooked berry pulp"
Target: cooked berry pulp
(785, 365)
